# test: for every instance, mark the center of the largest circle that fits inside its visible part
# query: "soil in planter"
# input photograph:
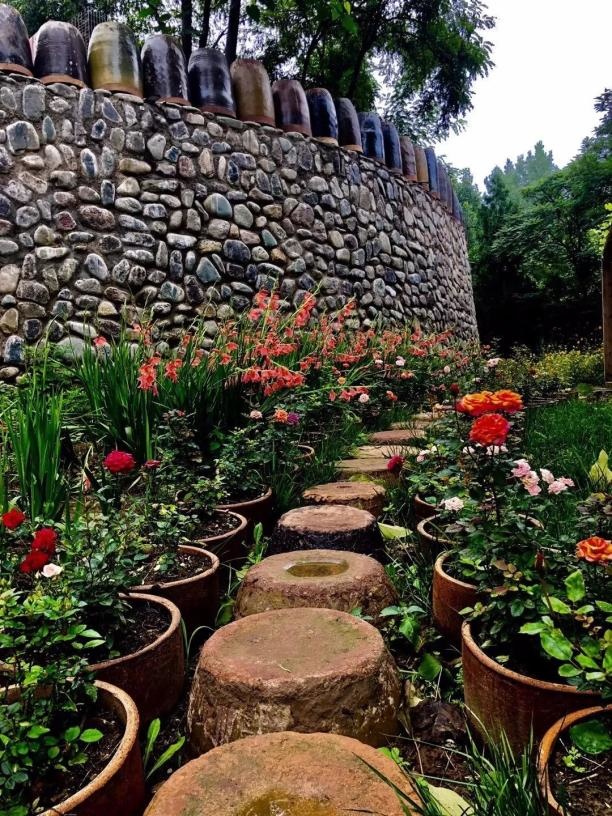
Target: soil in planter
(219, 524)
(236, 495)
(183, 565)
(589, 792)
(149, 622)
(57, 788)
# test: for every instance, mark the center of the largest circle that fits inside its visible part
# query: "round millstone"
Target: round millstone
(397, 437)
(374, 467)
(365, 495)
(329, 579)
(376, 451)
(287, 773)
(304, 670)
(326, 527)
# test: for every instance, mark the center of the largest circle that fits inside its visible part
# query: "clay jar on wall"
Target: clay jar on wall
(393, 154)
(59, 54)
(164, 73)
(372, 136)
(252, 92)
(408, 159)
(349, 132)
(15, 54)
(291, 107)
(210, 84)
(421, 166)
(432, 170)
(323, 119)
(114, 61)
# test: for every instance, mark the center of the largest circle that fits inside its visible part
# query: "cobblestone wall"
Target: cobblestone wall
(110, 208)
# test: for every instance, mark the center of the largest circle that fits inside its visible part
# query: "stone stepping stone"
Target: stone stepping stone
(397, 437)
(307, 670)
(330, 579)
(376, 451)
(365, 495)
(326, 527)
(374, 467)
(286, 773)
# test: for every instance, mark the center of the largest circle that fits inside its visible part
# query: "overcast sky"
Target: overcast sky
(552, 58)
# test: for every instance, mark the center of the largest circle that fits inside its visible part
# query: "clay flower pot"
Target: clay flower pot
(408, 159)
(210, 84)
(255, 511)
(547, 749)
(114, 61)
(323, 119)
(164, 73)
(499, 699)
(422, 509)
(393, 153)
(252, 92)
(449, 597)
(154, 675)
(372, 136)
(229, 546)
(349, 132)
(60, 55)
(15, 53)
(421, 166)
(431, 542)
(307, 453)
(432, 171)
(291, 107)
(197, 598)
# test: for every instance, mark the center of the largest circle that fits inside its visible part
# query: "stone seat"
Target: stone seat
(365, 495)
(326, 527)
(285, 774)
(307, 670)
(331, 579)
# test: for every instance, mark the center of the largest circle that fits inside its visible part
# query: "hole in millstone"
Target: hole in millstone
(317, 569)
(280, 804)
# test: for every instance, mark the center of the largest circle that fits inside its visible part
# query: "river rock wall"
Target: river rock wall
(112, 209)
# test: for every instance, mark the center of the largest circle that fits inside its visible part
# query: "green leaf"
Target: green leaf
(567, 670)
(409, 628)
(167, 756)
(559, 606)
(391, 531)
(91, 735)
(70, 734)
(429, 667)
(574, 585)
(604, 606)
(556, 644)
(449, 802)
(532, 628)
(36, 731)
(591, 736)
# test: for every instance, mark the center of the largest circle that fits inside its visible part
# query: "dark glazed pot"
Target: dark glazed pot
(393, 153)
(456, 207)
(372, 136)
(252, 92)
(323, 119)
(15, 53)
(59, 54)
(421, 166)
(349, 132)
(114, 61)
(164, 74)
(432, 170)
(408, 159)
(442, 183)
(210, 84)
(291, 107)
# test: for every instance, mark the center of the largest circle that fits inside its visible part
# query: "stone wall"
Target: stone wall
(110, 208)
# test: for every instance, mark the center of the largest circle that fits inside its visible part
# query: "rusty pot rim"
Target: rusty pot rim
(524, 679)
(173, 626)
(418, 499)
(441, 572)
(179, 582)
(547, 746)
(248, 503)
(422, 531)
(128, 740)
(227, 535)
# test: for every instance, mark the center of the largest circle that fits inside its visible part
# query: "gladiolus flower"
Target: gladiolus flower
(172, 369)
(395, 465)
(44, 541)
(453, 504)
(119, 462)
(491, 429)
(595, 550)
(52, 570)
(13, 518)
(34, 561)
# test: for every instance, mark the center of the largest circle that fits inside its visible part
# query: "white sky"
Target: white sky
(552, 58)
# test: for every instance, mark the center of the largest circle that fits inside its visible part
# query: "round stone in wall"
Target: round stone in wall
(307, 670)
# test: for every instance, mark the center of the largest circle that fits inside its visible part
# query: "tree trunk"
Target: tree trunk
(187, 26)
(233, 23)
(205, 24)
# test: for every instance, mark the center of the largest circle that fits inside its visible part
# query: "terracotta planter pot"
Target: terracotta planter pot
(252, 92)
(372, 136)
(449, 597)
(291, 107)
(60, 55)
(408, 159)
(210, 84)
(164, 73)
(422, 509)
(499, 699)
(307, 453)
(256, 511)
(431, 542)
(432, 171)
(547, 749)
(323, 118)
(197, 598)
(393, 153)
(421, 166)
(114, 61)
(15, 53)
(228, 547)
(154, 675)
(349, 132)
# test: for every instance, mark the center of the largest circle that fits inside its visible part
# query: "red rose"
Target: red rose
(34, 561)
(490, 429)
(44, 541)
(395, 465)
(13, 518)
(119, 462)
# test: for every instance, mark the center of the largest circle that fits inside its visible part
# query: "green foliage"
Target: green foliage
(152, 766)
(591, 736)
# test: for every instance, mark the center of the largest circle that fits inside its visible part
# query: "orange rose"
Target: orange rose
(476, 404)
(595, 549)
(491, 429)
(508, 401)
